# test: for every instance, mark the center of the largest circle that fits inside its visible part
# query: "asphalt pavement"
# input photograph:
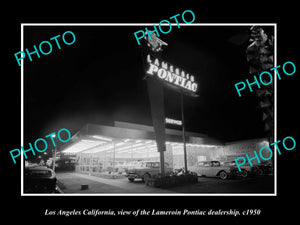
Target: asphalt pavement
(70, 182)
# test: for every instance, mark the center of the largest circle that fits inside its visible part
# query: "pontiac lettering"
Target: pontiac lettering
(172, 75)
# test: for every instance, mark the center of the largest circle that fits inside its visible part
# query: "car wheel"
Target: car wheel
(259, 172)
(244, 173)
(223, 175)
(131, 179)
(146, 177)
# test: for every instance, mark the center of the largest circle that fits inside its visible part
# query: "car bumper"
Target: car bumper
(132, 175)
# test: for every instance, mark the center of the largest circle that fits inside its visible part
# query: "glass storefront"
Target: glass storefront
(117, 156)
(111, 156)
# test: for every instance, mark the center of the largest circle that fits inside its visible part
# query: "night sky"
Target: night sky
(99, 79)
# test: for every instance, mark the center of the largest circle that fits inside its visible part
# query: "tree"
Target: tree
(260, 56)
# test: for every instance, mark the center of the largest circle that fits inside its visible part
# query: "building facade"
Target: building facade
(111, 150)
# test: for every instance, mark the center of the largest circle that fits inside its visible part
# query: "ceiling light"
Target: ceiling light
(136, 145)
(119, 144)
(101, 138)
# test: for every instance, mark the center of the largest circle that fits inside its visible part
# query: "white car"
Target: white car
(146, 169)
(212, 169)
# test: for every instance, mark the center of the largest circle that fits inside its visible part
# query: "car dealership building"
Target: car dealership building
(109, 150)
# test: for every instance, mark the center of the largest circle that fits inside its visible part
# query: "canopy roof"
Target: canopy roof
(128, 137)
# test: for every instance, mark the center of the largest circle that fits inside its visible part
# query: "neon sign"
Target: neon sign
(171, 75)
(173, 122)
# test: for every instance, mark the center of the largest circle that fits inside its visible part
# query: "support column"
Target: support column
(114, 159)
(183, 134)
(156, 96)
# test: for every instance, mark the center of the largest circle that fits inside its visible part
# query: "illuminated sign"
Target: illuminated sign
(173, 122)
(154, 43)
(171, 75)
(160, 25)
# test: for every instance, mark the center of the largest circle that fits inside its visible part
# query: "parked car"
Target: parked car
(213, 169)
(121, 167)
(246, 169)
(264, 168)
(39, 179)
(131, 165)
(146, 169)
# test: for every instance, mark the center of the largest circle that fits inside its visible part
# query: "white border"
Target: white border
(150, 24)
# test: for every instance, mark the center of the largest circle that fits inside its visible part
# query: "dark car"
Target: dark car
(246, 169)
(39, 179)
(264, 168)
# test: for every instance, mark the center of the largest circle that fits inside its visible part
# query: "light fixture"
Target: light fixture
(123, 148)
(88, 141)
(124, 151)
(136, 145)
(150, 146)
(119, 144)
(101, 138)
(101, 149)
(83, 145)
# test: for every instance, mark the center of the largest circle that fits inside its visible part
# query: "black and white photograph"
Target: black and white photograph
(165, 115)
(162, 117)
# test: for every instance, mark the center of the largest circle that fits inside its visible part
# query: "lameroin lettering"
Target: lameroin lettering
(173, 75)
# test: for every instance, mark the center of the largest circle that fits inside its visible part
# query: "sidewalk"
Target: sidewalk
(70, 182)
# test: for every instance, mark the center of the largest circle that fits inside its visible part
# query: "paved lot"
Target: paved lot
(70, 182)
(259, 184)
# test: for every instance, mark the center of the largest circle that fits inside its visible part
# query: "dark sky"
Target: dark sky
(98, 79)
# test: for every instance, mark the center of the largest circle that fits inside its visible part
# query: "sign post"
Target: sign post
(183, 134)
(155, 92)
(159, 73)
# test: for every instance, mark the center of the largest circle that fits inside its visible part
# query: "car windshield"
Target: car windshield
(206, 164)
(215, 163)
(150, 164)
(229, 163)
(38, 173)
(141, 164)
